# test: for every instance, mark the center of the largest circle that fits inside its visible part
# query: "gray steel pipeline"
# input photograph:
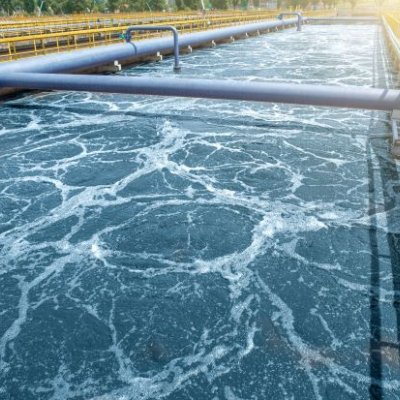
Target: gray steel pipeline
(90, 58)
(330, 96)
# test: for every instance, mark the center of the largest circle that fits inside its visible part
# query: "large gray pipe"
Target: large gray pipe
(331, 96)
(90, 58)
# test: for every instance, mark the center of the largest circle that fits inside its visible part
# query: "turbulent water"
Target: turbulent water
(162, 248)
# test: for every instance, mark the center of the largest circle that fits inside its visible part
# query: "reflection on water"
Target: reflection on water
(191, 249)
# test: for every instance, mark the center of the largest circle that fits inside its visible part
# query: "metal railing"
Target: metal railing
(393, 20)
(39, 44)
(113, 19)
(73, 37)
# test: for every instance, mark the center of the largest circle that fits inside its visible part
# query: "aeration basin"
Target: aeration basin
(184, 248)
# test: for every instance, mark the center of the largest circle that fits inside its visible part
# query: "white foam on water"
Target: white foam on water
(256, 162)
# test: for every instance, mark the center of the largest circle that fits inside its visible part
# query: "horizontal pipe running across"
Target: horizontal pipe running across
(95, 57)
(330, 96)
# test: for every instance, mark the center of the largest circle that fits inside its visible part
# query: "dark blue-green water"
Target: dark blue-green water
(162, 248)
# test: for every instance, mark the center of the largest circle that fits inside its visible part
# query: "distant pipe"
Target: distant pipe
(78, 60)
(330, 96)
(299, 18)
(128, 37)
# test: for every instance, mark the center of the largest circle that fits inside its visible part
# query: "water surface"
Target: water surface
(163, 248)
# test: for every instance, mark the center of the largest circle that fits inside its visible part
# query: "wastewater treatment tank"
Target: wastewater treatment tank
(167, 248)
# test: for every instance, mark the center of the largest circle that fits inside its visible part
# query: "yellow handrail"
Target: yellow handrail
(393, 21)
(103, 23)
(33, 44)
(84, 18)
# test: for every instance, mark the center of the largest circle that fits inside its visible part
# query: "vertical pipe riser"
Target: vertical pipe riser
(128, 37)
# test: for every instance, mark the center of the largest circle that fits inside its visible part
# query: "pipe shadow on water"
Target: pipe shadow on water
(386, 171)
(217, 120)
(375, 364)
(388, 174)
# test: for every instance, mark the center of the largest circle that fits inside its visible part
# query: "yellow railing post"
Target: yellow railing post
(9, 52)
